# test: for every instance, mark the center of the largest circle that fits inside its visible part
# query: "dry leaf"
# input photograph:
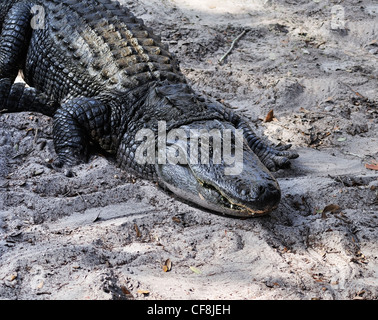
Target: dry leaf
(195, 270)
(13, 276)
(285, 41)
(138, 233)
(175, 219)
(359, 94)
(146, 292)
(167, 265)
(269, 116)
(125, 290)
(40, 285)
(373, 166)
(332, 208)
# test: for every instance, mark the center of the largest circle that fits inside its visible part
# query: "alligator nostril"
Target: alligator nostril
(245, 191)
(265, 190)
(272, 194)
(261, 190)
(271, 187)
(268, 192)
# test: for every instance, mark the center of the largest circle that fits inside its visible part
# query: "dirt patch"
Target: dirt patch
(104, 235)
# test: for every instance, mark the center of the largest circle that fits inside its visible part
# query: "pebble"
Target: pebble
(373, 185)
(30, 205)
(68, 173)
(38, 172)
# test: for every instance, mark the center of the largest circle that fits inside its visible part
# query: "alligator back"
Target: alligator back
(83, 48)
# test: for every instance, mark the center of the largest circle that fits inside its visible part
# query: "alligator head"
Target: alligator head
(206, 161)
(239, 185)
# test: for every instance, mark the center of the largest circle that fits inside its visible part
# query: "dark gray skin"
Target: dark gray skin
(103, 75)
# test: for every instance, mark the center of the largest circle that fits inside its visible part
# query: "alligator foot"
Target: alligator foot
(77, 124)
(275, 158)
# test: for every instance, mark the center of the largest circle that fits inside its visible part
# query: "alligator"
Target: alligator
(104, 76)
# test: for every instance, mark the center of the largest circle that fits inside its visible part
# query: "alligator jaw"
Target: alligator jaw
(228, 205)
(232, 209)
(216, 202)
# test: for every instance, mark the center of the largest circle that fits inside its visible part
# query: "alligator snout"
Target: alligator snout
(269, 196)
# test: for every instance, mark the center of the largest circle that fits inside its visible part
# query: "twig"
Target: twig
(232, 46)
(370, 103)
(355, 92)
(35, 136)
(85, 202)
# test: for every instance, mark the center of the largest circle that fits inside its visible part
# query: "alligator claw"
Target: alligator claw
(59, 166)
(277, 162)
(278, 158)
(282, 147)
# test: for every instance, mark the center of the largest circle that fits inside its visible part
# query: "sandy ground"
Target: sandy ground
(106, 235)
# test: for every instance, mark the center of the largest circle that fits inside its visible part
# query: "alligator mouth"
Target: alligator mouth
(229, 206)
(184, 183)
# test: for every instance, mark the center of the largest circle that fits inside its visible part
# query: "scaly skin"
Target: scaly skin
(103, 75)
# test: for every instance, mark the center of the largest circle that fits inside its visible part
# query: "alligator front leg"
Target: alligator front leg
(77, 123)
(273, 158)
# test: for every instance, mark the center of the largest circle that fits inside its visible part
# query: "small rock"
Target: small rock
(38, 172)
(30, 205)
(68, 173)
(373, 185)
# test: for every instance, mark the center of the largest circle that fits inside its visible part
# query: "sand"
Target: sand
(104, 234)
